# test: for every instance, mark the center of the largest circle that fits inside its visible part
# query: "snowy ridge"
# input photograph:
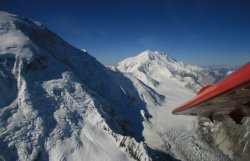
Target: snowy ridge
(152, 67)
(175, 135)
(62, 104)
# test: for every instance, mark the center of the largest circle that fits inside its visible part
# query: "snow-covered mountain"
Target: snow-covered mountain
(59, 103)
(152, 67)
(177, 81)
(172, 79)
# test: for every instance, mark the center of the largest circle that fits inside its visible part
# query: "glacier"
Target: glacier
(59, 103)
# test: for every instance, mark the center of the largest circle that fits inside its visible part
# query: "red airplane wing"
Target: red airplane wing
(230, 96)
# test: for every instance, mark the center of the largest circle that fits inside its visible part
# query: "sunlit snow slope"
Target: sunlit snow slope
(176, 80)
(167, 77)
(59, 103)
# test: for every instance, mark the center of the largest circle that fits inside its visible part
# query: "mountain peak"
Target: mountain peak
(21, 34)
(150, 53)
(147, 57)
(6, 15)
(10, 21)
(66, 98)
(154, 66)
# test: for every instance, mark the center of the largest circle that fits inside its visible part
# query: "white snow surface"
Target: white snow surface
(152, 67)
(174, 134)
(59, 103)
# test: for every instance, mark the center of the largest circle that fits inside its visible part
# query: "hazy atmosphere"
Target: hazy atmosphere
(202, 32)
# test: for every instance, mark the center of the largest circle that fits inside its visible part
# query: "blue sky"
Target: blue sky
(202, 32)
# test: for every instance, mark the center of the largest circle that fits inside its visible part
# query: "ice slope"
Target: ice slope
(59, 103)
(176, 135)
